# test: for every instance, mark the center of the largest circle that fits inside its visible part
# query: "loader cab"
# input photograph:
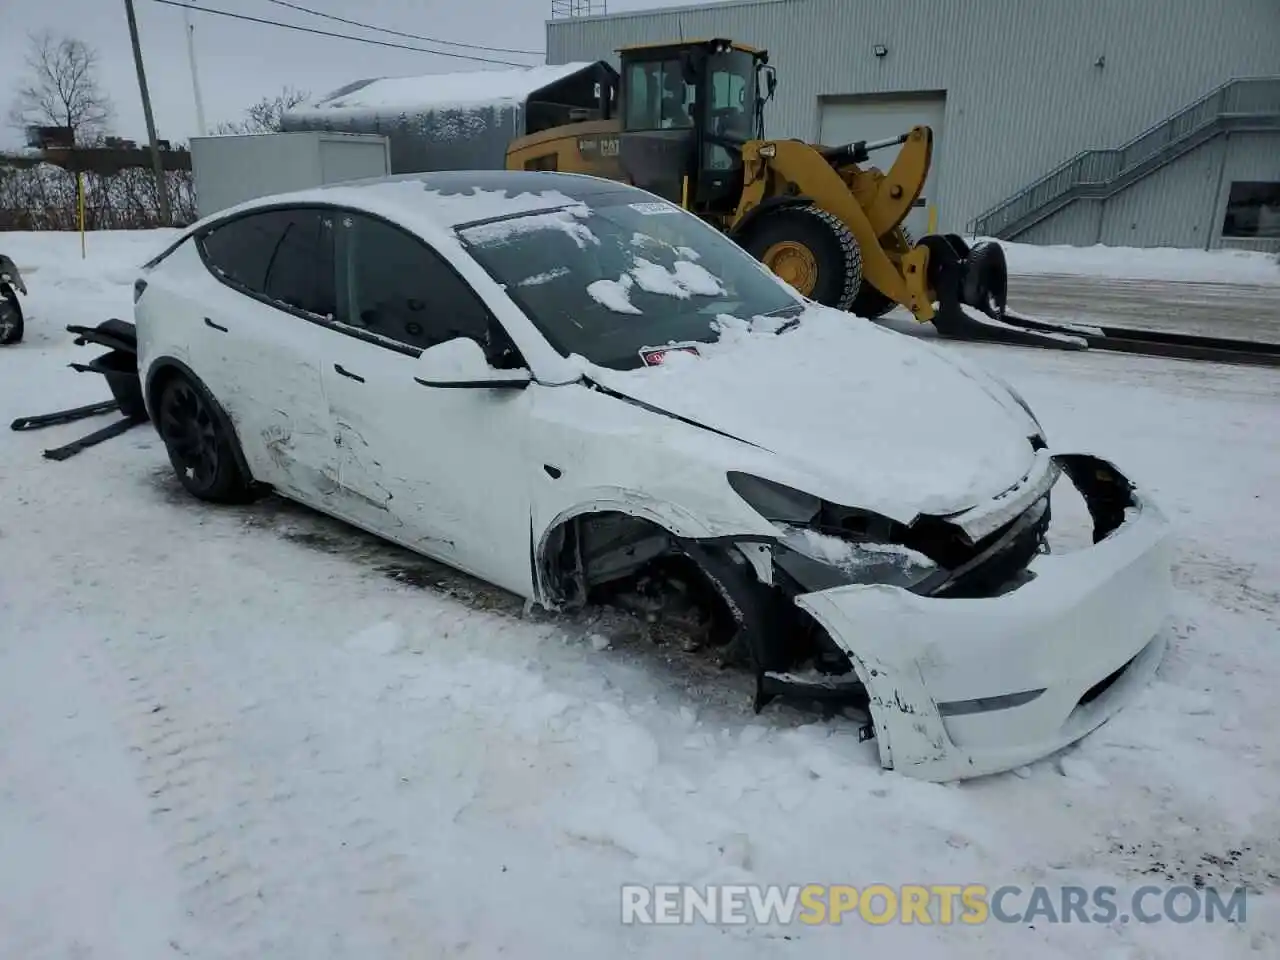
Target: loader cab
(687, 109)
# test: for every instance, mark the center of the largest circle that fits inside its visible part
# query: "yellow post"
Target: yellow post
(933, 219)
(80, 209)
(684, 193)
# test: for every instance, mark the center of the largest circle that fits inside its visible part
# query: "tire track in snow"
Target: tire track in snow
(256, 853)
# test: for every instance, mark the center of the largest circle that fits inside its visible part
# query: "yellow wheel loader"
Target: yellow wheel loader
(686, 123)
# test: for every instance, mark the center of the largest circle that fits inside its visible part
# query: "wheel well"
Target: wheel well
(160, 375)
(165, 370)
(594, 548)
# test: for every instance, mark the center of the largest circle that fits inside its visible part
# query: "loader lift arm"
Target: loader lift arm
(869, 210)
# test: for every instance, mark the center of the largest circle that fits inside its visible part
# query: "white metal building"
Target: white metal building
(1128, 122)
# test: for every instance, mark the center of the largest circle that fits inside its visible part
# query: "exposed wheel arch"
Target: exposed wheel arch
(559, 577)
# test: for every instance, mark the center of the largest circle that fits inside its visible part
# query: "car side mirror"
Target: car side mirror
(460, 364)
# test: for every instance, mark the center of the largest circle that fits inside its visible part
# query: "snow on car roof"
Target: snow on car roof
(439, 91)
(432, 203)
(457, 197)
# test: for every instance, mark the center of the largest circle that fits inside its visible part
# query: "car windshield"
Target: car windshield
(626, 275)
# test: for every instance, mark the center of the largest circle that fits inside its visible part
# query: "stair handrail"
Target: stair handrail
(1110, 162)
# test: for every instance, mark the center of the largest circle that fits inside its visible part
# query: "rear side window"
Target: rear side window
(301, 271)
(283, 255)
(241, 251)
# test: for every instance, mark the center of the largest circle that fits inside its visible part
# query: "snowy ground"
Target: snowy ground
(255, 733)
(1151, 263)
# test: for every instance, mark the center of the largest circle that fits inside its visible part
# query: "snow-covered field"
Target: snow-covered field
(255, 733)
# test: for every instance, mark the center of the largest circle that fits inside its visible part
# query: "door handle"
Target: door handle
(347, 373)
(210, 323)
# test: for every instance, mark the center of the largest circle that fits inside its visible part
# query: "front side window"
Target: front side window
(609, 280)
(657, 96)
(392, 285)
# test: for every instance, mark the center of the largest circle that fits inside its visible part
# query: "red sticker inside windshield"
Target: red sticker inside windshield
(657, 356)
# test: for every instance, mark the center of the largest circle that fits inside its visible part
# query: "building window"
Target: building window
(1253, 210)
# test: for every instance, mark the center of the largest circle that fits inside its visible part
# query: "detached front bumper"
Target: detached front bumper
(964, 687)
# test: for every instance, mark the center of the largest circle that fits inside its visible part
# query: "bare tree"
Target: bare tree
(61, 88)
(265, 115)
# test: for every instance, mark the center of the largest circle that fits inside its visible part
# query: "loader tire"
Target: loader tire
(870, 302)
(812, 250)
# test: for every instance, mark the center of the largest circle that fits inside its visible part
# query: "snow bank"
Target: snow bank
(432, 92)
(1145, 263)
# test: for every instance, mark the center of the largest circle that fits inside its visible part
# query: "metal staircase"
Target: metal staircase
(1246, 104)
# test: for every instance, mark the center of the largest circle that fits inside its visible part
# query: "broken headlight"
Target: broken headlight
(820, 561)
(818, 554)
(774, 501)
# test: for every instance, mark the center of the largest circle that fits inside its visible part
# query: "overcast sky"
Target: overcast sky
(239, 62)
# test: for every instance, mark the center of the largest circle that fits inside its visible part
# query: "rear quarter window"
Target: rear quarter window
(241, 250)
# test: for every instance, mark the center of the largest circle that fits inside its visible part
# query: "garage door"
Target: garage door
(846, 119)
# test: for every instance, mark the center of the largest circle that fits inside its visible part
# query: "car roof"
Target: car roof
(453, 198)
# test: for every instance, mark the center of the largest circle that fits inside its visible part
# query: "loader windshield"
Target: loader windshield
(625, 274)
(731, 100)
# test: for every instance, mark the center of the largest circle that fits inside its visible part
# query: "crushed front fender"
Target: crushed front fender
(964, 687)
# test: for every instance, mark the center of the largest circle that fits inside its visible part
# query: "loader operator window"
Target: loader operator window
(731, 104)
(657, 97)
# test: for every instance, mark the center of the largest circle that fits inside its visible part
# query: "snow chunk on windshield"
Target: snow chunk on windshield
(614, 294)
(540, 278)
(458, 206)
(697, 279)
(565, 221)
(683, 281)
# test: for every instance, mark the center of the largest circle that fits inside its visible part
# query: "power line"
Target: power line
(339, 36)
(398, 33)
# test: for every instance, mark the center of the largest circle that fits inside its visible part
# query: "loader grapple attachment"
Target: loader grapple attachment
(972, 286)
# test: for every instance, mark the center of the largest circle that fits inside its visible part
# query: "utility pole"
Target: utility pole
(162, 185)
(195, 76)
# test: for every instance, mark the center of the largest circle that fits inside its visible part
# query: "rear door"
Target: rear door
(263, 344)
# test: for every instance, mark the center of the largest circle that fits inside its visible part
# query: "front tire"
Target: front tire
(11, 323)
(812, 250)
(200, 444)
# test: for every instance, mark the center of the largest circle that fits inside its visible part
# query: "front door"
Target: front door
(442, 471)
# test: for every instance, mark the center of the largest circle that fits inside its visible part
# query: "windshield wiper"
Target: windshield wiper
(794, 311)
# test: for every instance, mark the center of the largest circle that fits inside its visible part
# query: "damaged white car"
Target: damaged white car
(563, 385)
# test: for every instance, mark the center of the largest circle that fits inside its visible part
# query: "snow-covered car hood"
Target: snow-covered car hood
(863, 416)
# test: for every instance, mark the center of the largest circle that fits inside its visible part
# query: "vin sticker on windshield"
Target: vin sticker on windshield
(653, 208)
(657, 356)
